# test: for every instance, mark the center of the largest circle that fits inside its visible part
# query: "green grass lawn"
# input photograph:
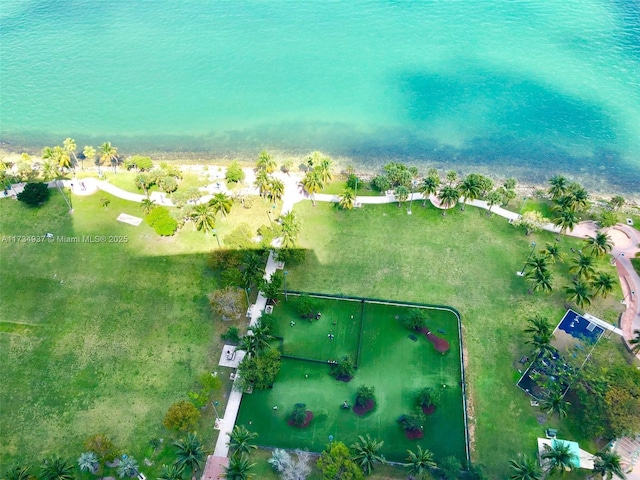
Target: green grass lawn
(395, 365)
(465, 259)
(337, 187)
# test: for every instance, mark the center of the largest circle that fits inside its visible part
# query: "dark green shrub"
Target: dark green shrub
(298, 415)
(34, 194)
(364, 394)
(234, 173)
(162, 222)
(232, 335)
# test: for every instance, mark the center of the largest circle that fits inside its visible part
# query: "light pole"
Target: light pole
(285, 286)
(246, 292)
(330, 440)
(215, 234)
(215, 404)
(533, 247)
(269, 215)
(631, 293)
(613, 262)
(63, 196)
(411, 198)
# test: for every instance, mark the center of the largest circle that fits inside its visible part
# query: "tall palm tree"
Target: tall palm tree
(89, 153)
(324, 169)
(266, 162)
(55, 468)
(542, 347)
(602, 284)
(566, 220)
(402, 194)
(248, 344)
(312, 183)
(539, 326)
(608, 464)
(347, 199)
(420, 462)
(579, 292)
(576, 198)
(203, 217)
(238, 468)
(554, 402)
(365, 453)
(88, 462)
(70, 146)
(18, 473)
(470, 188)
(583, 266)
(559, 187)
(553, 253)
(559, 457)
(147, 205)
(50, 170)
(171, 472)
(527, 469)
(261, 335)
(429, 187)
(451, 177)
(263, 182)
(221, 203)
(635, 341)
(538, 262)
(290, 229)
(541, 280)
(239, 440)
(600, 244)
(494, 198)
(189, 452)
(276, 190)
(448, 197)
(109, 153)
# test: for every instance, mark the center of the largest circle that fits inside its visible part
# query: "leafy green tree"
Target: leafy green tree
(238, 468)
(600, 244)
(167, 183)
(181, 416)
(162, 222)
(583, 266)
(144, 181)
(18, 473)
(420, 463)
(559, 187)
(266, 162)
(416, 319)
(109, 153)
(559, 457)
(298, 415)
(271, 288)
(510, 183)
(608, 464)
(128, 467)
(364, 394)
(380, 183)
(190, 453)
(602, 284)
(240, 440)
(234, 173)
(171, 472)
(276, 190)
(259, 370)
(306, 306)
(88, 462)
(429, 187)
(312, 183)
(532, 221)
(204, 218)
(607, 219)
(525, 469)
(34, 194)
(554, 403)
(347, 199)
(221, 203)
(88, 153)
(399, 174)
(366, 453)
(470, 188)
(335, 463)
(451, 177)
(402, 194)
(576, 198)
(427, 396)
(448, 197)
(617, 202)
(55, 468)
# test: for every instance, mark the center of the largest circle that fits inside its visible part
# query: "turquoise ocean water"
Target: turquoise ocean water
(523, 87)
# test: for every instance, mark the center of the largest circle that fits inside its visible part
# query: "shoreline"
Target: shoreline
(529, 180)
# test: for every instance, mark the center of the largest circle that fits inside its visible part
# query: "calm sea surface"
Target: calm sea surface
(523, 87)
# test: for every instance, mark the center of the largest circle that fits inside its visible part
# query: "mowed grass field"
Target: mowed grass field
(466, 260)
(101, 337)
(390, 361)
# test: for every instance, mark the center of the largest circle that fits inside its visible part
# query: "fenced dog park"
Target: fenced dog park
(390, 353)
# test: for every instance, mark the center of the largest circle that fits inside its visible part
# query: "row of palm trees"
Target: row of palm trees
(58, 158)
(269, 187)
(319, 173)
(570, 199)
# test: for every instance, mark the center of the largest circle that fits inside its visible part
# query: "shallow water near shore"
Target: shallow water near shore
(510, 88)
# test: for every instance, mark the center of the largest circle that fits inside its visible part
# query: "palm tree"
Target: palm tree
(190, 452)
(402, 194)
(451, 177)
(539, 326)
(88, 462)
(429, 187)
(420, 462)
(55, 468)
(248, 344)
(70, 146)
(583, 266)
(600, 244)
(221, 203)
(18, 473)
(538, 263)
(494, 198)
(204, 217)
(266, 163)
(448, 197)
(62, 157)
(109, 153)
(290, 229)
(324, 169)
(541, 280)
(576, 198)
(276, 190)
(366, 453)
(559, 186)
(470, 188)
(239, 439)
(89, 153)
(607, 464)
(50, 170)
(635, 341)
(347, 199)
(263, 182)
(171, 472)
(312, 183)
(238, 468)
(579, 292)
(128, 467)
(554, 402)
(559, 457)
(527, 469)
(261, 335)
(566, 220)
(553, 253)
(602, 284)
(147, 205)
(542, 347)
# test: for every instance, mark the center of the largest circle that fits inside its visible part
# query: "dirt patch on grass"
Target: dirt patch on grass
(428, 409)
(414, 434)
(363, 409)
